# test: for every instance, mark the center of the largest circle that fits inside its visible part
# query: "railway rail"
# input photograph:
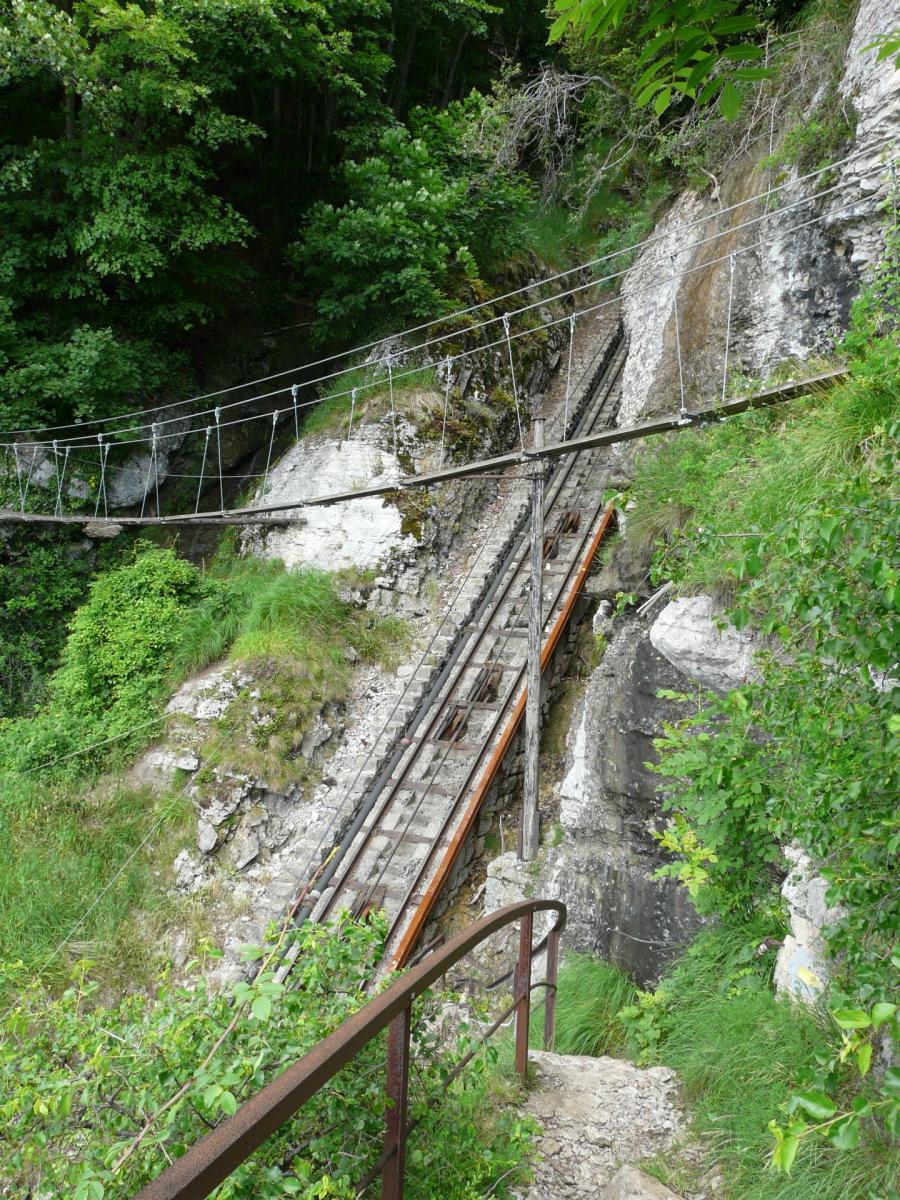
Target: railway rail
(406, 837)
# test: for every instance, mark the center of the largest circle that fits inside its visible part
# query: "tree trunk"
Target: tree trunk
(454, 63)
(403, 71)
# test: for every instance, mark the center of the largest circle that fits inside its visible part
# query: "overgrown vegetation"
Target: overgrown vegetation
(591, 994)
(793, 518)
(158, 161)
(81, 840)
(42, 581)
(739, 1051)
(154, 1077)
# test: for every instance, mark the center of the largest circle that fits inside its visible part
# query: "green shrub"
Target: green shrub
(42, 581)
(130, 1057)
(146, 625)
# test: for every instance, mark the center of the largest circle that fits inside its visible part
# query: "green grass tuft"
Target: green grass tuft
(591, 993)
(740, 1051)
(696, 493)
(331, 416)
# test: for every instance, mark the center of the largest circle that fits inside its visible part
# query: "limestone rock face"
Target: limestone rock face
(357, 534)
(802, 967)
(629, 1183)
(873, 88)
(602, 864)
(790, 287)
(686, 634)
(596, 1114)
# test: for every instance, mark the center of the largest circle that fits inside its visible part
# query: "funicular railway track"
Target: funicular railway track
(413, 821)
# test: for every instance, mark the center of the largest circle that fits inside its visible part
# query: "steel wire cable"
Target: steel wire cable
(503, 340)
(458, 313)
(485, 542)
(595, 308)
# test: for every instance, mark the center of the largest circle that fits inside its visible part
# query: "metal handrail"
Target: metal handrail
(211, 1160)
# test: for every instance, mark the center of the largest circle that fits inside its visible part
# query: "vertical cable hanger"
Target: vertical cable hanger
(683, 409)
(101, 486)
(218, 416)
(352, 411)
(728, 324)
(569, 374)
(147, 477)
(34, 451)
(447, 367)
(60, 476)
(265, 485)
(294, 390)
(202, 467)
(512, 371)
(15, 449)
(389, 363)
(156, 468)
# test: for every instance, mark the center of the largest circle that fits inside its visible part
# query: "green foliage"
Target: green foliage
(41, 583)
(696, 494)
(810, 752)
(79, 862)
(812, 145)
(415, 391)
(171, 1069)
(834, 1116)
(423, 219)
(590, 995)
(145, 625)
(115, 668)
(739, 1051)
(157, 160)
(690, 50)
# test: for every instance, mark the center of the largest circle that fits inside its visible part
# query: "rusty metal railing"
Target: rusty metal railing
(211, 1160)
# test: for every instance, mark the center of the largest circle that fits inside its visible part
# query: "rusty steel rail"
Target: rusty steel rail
(211, 1160)
(448, 860)
(603, 376)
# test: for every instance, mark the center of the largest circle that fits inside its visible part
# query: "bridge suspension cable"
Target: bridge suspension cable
(505, 340)
(459, 313)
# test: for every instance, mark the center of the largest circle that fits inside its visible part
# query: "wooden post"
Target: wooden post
(395, 1116)
(530, 826)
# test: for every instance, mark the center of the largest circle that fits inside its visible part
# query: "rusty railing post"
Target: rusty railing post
(523, 993)
(395, 1113)
(550, 1001)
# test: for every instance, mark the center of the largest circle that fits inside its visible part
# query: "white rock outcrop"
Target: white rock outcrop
(788, 279)
(802, 968)
(686, 633)
(873, 88)
(629, 1183)
(359, 534)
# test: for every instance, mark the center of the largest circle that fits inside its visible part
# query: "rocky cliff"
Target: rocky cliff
(788, 291)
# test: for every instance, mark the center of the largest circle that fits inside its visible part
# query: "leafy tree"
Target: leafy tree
(690, 49)
(424, 216)
(157, 159)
